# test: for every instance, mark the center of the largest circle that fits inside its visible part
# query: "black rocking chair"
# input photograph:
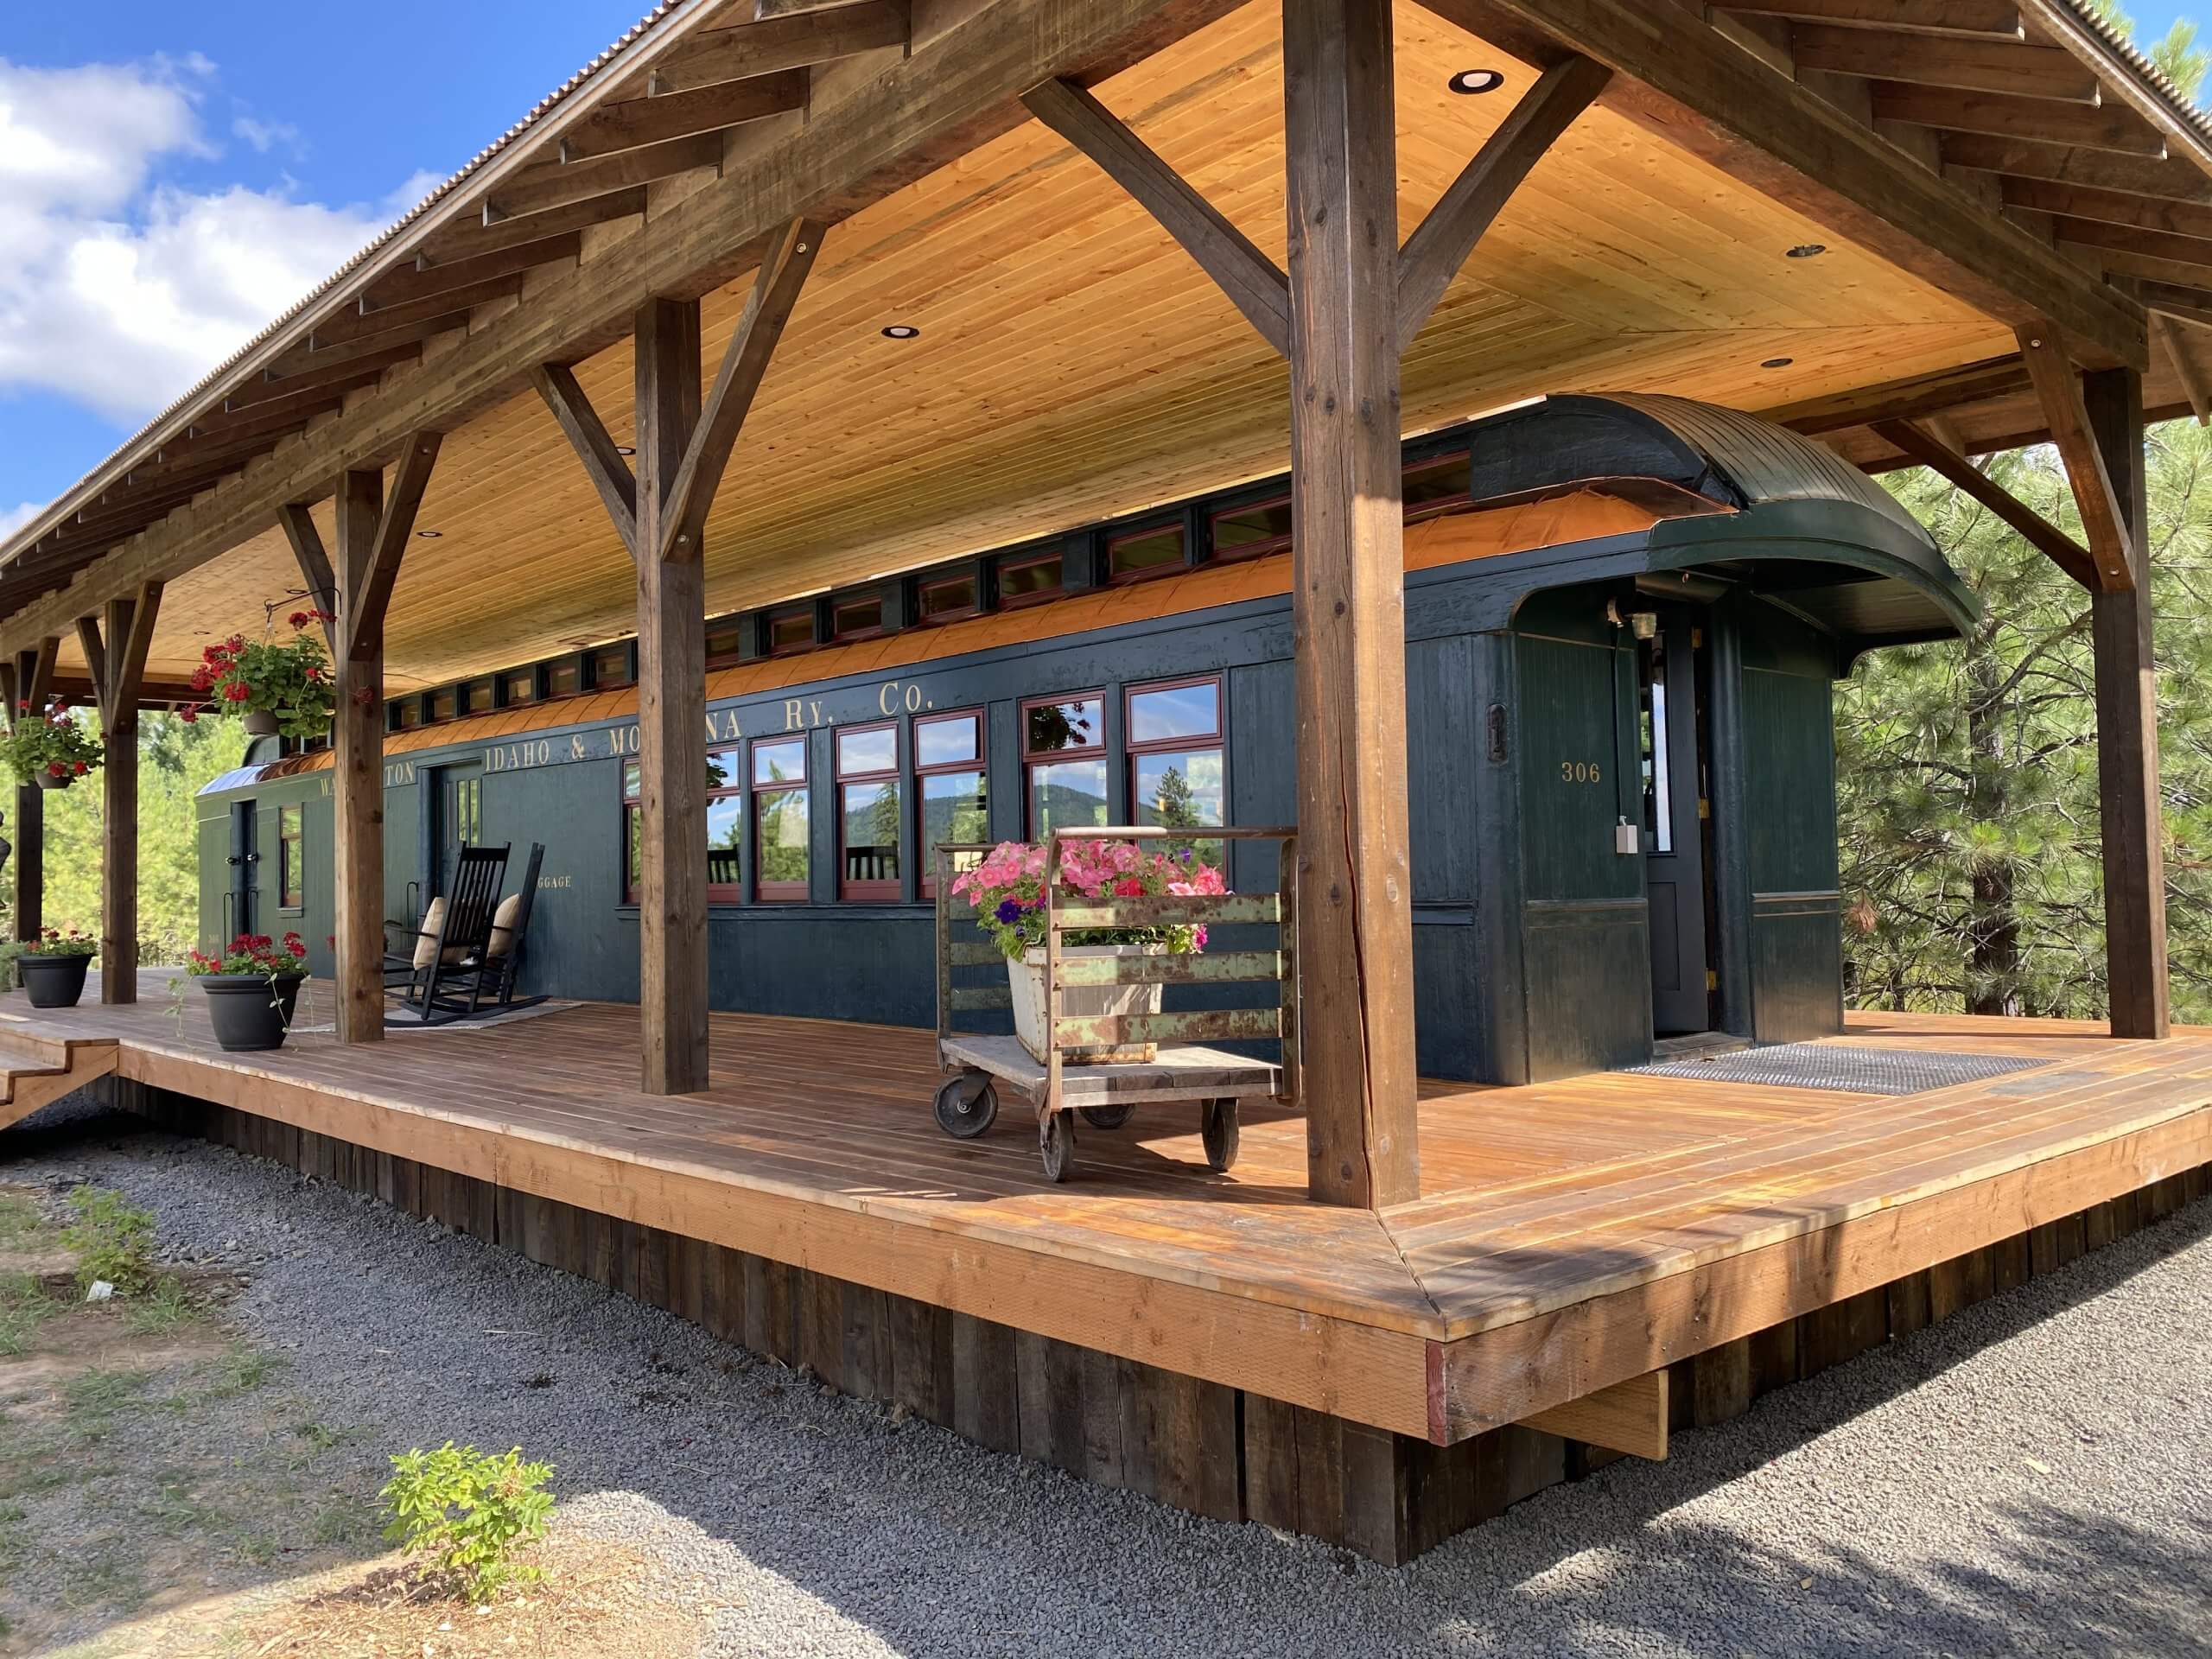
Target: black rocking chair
(457, 955)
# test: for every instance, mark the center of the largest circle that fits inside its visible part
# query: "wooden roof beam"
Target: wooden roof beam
(429, 280)
(1703, 94)
(1439, 246)
(2058, 389)
(2191, 304)
(2109, 206)
(769, 45)
(2147, 251)
(316, 572)
(638, 122)
(343, 365)
(2031, 72)
(1984, 20)
(393, 320)
(361, 613)
(2026, 158)
(556, 186)
(1939, 457)
(470, 238)
(1256, 285)
(2059, 23)
(2111, 127)
(604, 463)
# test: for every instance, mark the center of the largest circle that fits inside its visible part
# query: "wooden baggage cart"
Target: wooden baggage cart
(1184, 1068)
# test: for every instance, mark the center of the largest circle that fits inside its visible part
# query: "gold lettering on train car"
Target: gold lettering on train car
(723, 728)
(1579, 771)
(892, 696)
(794, 714)
(576, 746)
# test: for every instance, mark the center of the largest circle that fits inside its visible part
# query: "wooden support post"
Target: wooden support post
(684, 445)
(1355, 937)
(372, 536)
(672, 715)
(115, 661)
(34, 678)
(2128, 728)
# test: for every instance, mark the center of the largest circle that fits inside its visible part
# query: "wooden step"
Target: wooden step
(36, 1071)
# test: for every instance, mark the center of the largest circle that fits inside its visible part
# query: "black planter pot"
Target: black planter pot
(250, 1010)
(48, 780)
(53, 982)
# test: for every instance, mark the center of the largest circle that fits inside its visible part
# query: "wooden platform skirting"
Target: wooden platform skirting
(1213, 1450)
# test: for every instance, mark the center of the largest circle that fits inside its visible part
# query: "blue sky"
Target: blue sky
(232, 155)
(172, 176)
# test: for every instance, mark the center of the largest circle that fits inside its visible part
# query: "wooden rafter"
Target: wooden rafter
(2107, 127)
(1943, 459)
(1963, 65)
(390, 323)
(1254, 282)
(2062, 24)
(427, 281)
(767, 45)
(1440, 245)
(603, 460)
(471, 239)
(2079, 201)
(555, 186)
(2171, 179)
(2059, 391)
(353, 364)
(640, 122)
(776, 285)
(1704, 93)
(1993, 20)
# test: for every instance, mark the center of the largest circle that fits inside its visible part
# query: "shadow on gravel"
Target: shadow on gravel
(826, 1525)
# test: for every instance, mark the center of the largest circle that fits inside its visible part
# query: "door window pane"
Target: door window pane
(954, 809)
(291, 882)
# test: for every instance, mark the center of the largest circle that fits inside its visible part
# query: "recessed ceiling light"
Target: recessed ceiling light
(624, 449)
(1470, 82)
(429, 535)
(901, 331)
(1807, 251)
(1777, 362)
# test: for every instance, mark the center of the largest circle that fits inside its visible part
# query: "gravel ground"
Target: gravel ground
(2034, 1476)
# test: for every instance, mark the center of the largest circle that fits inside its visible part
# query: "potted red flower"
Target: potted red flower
(253, 985)
(52, 750)
(52, 967)
(273, 685)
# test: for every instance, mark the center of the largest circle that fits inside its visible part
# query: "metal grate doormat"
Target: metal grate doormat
(1856, 1071)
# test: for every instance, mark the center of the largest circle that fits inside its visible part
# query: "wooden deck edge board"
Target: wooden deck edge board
(190, 1073)
(1629, 1416)
(1351, 1369)
(1459, 1327)
(1511, 1372)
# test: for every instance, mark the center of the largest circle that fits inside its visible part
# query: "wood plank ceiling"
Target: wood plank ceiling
(1072, 364)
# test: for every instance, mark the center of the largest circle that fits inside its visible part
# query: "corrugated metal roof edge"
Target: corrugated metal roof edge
(13, 547)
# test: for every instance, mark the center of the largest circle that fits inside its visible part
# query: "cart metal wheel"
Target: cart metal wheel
(1056, 1142)
(966, 1105)
(1217, 1126)
(1107, 1117)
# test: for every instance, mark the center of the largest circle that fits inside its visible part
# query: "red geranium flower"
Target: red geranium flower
(56, 769)
(81, 769)
(300, 619)
(238, 691)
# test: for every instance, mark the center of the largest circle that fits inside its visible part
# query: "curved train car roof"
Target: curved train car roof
(1808, 530)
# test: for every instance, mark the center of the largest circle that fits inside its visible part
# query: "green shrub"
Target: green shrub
(468, 1513)
(111, 1241)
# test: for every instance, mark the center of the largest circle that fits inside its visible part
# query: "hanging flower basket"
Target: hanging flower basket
(53, 749)
(273, 685)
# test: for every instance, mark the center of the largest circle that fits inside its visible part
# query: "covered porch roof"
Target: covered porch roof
(1823, 210)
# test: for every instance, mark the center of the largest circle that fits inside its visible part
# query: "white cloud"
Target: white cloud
(119, 291)
(13, 518)
(265, 135)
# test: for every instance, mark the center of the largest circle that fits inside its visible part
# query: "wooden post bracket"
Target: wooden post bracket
(1436, 251)
(2058, 389)
(1912, 438)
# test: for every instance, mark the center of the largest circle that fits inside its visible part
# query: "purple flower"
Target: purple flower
(1008, 912)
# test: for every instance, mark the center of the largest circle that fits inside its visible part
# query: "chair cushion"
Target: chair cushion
(503, 925)
(426, 942)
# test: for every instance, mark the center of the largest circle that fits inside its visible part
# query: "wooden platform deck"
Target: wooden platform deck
(1570, 1236)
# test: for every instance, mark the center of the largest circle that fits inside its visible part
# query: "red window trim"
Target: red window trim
(736, 654)
(1043, 596)
(851, 891)
(729, 892)
(779, 893)
(924, 618)
(1124, 578)
(813, 628)
(925, 855)
(1251, 549)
